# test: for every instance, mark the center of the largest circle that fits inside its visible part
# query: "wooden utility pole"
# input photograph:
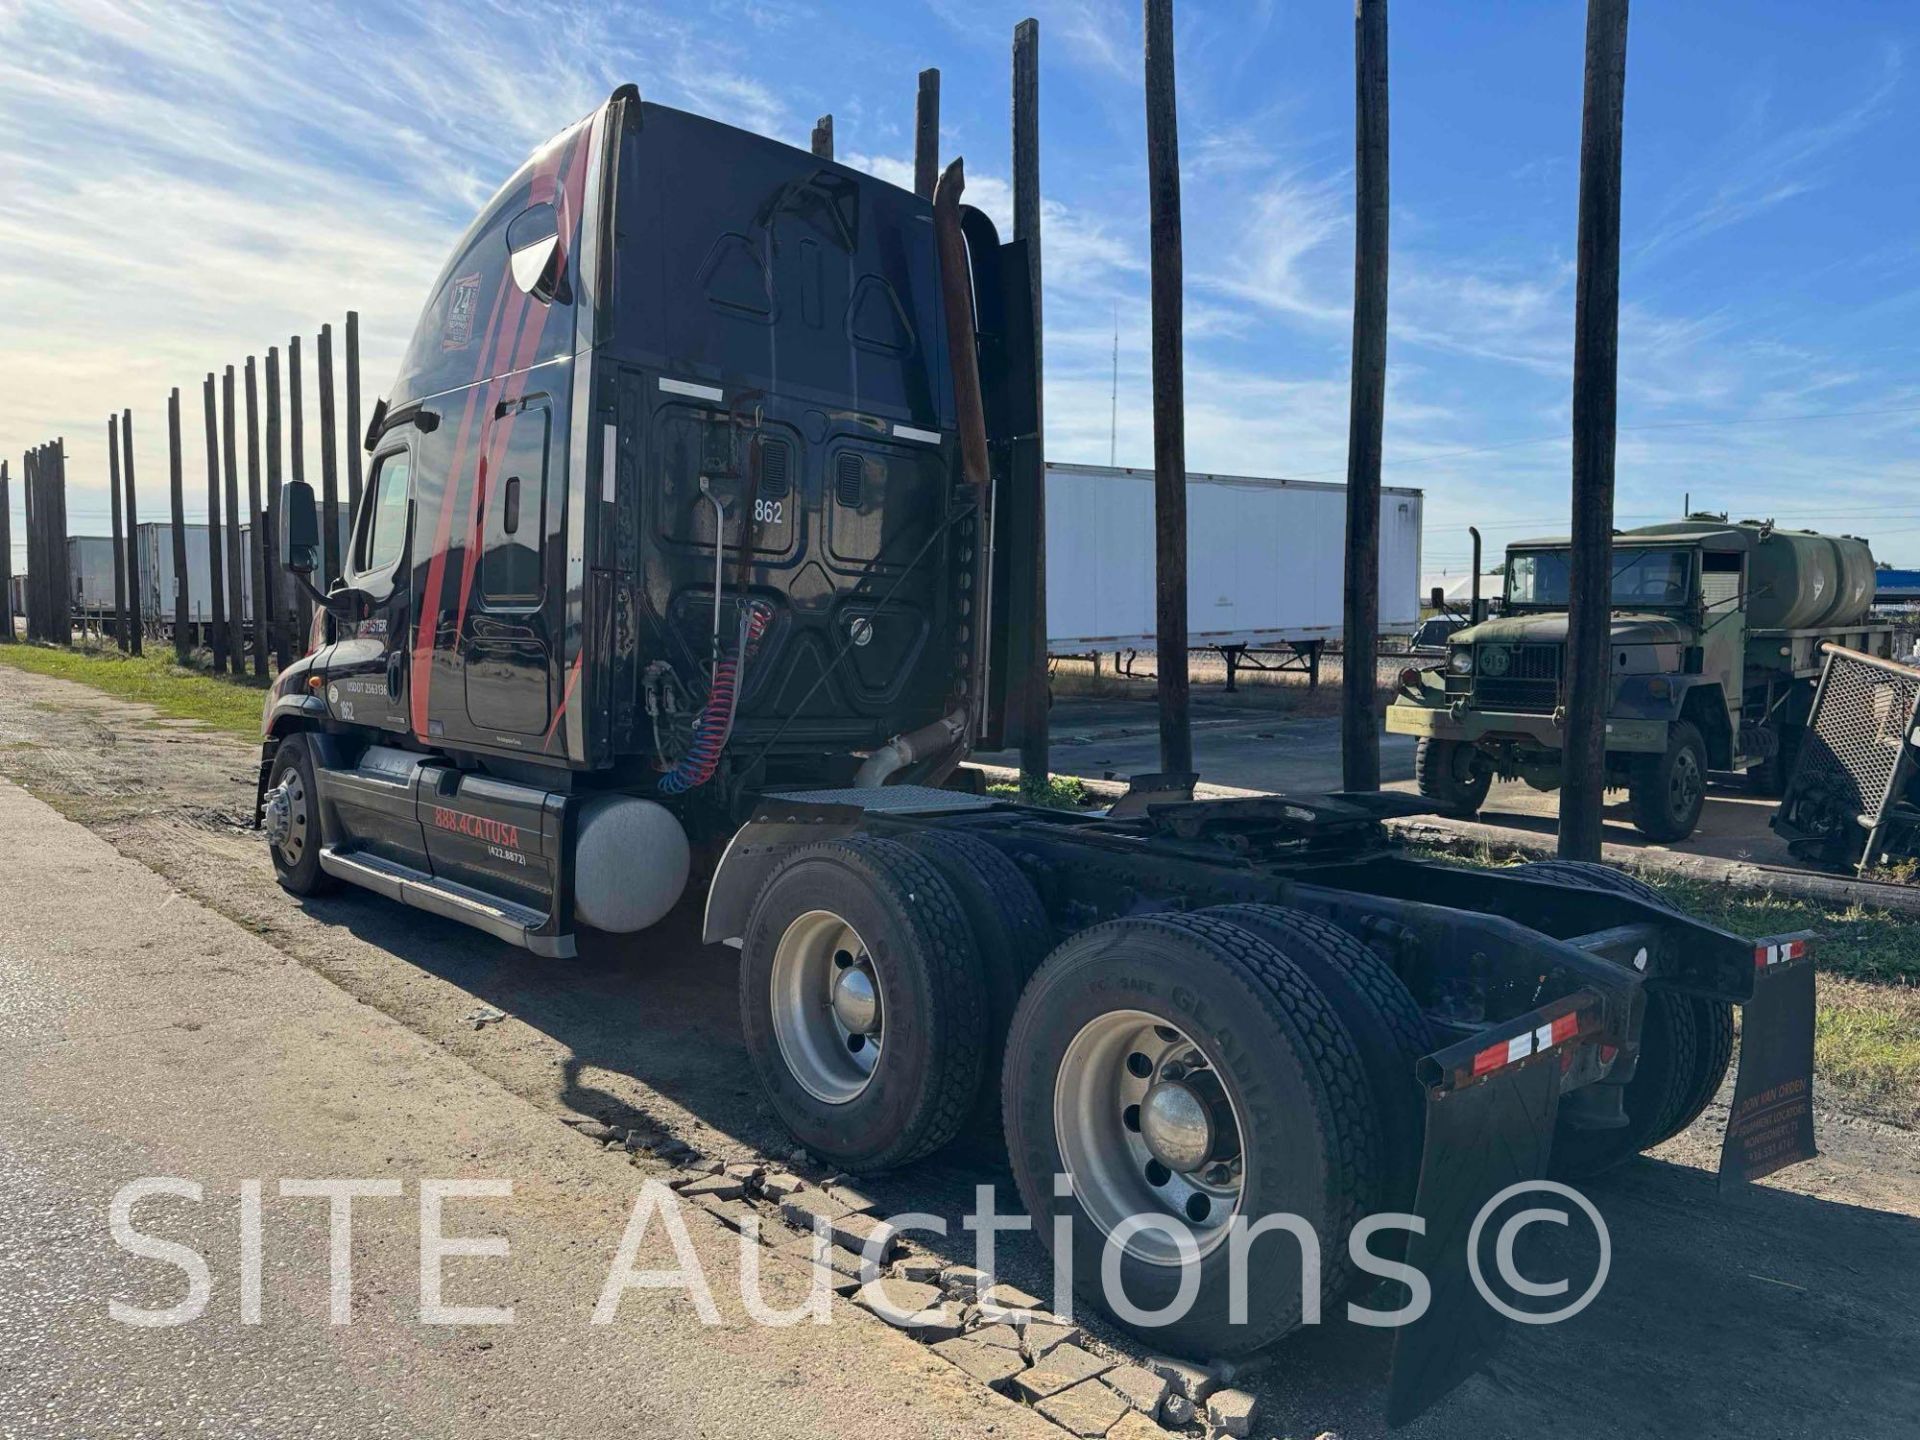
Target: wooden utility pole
(216, 562)
(236, 583)
(297, 451)
(1359, 708)
(258, 575)
(353, 416)
(182, 626)
(1596, 364)
(329, 472)
(926, 135)
(136, 621)
(60, 570)
(6, 560)
(119, 553)
(1169, 394)
(276, 585)
(29, 499)
(1027, 654)
(823, 137)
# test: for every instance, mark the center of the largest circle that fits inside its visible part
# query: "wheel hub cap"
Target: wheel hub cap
(1176, 1126)
(856, 1004)
(277, 822)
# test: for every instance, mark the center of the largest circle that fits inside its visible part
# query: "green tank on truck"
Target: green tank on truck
(1714, 652)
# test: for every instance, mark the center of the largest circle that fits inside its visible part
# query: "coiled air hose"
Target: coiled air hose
(715, 721)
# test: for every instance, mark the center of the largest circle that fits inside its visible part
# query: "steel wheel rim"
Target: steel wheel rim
(1099, 1094)
(1684, 787)
(294, 846)
(828, 1017)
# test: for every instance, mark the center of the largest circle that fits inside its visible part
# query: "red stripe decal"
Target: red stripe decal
(510, 385)
(566, 699)
(427, 618)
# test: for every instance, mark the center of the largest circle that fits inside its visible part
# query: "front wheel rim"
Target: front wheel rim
(293, 847)
(828, 1014)
(1684, 789)
(1145, 1127)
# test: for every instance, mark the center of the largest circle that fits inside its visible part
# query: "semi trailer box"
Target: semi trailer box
(1264, 559)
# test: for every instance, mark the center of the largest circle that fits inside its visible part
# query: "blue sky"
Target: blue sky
(187, 184)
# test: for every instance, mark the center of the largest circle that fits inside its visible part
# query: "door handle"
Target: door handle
(395, 658)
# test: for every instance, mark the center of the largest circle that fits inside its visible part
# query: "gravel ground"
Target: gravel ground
(1790, 1313)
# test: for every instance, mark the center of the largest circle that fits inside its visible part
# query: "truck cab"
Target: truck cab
(1711, 660)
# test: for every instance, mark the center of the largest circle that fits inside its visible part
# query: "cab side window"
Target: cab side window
(384, 535)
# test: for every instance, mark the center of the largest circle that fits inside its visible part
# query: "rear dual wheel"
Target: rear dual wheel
(1686, 1045)
(866, 1000)
(1191, 1071)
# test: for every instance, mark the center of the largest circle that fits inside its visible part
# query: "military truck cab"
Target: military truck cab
(1712, 656)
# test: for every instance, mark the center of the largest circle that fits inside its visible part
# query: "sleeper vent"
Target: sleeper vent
(774, 481)
(848, 473)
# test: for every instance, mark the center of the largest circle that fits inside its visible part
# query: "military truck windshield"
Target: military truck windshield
(1642, 578)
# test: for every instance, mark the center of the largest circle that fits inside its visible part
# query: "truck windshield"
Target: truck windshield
(1641, 577)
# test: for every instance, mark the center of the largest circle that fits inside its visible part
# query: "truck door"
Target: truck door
(508, 635)
(367, 673)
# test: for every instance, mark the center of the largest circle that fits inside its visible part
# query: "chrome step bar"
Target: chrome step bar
(503, 919)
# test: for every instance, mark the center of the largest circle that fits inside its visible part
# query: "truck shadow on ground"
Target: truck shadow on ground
(1769, 1314)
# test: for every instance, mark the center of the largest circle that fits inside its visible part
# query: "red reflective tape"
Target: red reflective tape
(1490, 1059)
(1566, 1027)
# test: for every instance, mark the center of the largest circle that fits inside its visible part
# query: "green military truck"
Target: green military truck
(1715, 650)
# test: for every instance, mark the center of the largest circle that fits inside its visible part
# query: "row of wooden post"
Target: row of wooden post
(281, 613)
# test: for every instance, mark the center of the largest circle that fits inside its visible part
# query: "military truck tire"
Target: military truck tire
(1226, 1031)
(1771, 775)
(1666, 792)
(863, 1003)
(1389, 1031)
(296, 856)
(1443, 771)
(1011, 930)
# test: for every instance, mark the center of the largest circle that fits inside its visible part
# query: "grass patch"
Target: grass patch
(1060, 792)
(224, 702)
(1854, 943)
(1866, 1046)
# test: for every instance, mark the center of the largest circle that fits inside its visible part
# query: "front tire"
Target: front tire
(1667, 792)
(295, 833)
(1445, 773)
(862, 1002)
(1181, 1068)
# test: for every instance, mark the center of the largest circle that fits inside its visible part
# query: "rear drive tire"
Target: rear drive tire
(1188, 1039)
(1389, 1032)
(1667, 792)
(1012, 934)
(1444, 772)
(296, 858)
(1771, 775)
(862, 1002)
(1694, 1037)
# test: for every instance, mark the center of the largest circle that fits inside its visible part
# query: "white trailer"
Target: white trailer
(1265, 561)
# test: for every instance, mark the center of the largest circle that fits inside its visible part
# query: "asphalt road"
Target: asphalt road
(1257, 746)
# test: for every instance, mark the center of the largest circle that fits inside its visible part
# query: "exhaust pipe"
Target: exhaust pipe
(956, 293)
(1475, 612)
(903, 750)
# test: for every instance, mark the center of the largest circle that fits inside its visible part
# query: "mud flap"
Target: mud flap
(1771, 1124)
(1491, 1106)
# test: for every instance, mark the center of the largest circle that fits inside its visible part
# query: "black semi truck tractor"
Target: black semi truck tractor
(683, 536)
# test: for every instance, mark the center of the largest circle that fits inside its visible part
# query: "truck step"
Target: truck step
(503, 919)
